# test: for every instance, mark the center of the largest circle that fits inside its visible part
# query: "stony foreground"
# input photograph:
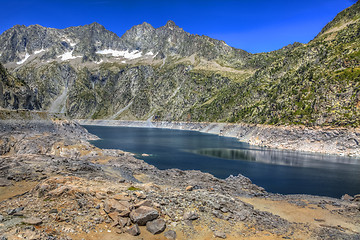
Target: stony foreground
(55, 185)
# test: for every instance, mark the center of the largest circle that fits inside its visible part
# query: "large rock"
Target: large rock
(218, 234)
(356, 198)
(171, 235)
(32, 221)
(146, 203)
(112, 205)
(192, 215)
(134, 230)
(4, 182)
(156, 226)
(347, 197)
(143, 214)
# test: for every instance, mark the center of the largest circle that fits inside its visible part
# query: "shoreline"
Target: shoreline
(332, 141)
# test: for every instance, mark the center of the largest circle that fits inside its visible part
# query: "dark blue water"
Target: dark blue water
(277, 171)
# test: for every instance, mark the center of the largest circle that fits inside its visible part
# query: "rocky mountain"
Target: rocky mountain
(168, 74)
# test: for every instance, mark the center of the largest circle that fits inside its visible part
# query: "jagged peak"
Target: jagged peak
(145, 24)
(95, 25)
(170, 24)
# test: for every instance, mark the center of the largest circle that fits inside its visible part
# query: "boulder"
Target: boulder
(156, 226)
(123, 222)
(192, 215)
(114, 216)
(32, 221)
(189, 188)
(134, 230)
(124, 213)
(140, 195)
(4, 182)
(356, 198)
(146, 203)
(171, 235)
(122, 197)
(143, 214)
(112, 205)
(347, 197)
(218, 234)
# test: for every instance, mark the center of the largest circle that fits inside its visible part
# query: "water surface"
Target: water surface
(278, 171)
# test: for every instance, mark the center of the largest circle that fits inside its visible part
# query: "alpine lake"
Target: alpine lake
(278, 171)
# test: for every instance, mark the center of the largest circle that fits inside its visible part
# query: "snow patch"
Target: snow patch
(124, 54)
(99, 62)
(67, 56)
(123, 61)
(39, 51)
(149, 53)
(72, 44)
(26, 57)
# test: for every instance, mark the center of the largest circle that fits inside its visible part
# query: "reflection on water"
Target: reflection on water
(277, 157)
(277, 171)
(231, 154)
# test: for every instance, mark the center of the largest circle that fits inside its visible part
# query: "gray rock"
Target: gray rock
(123, 222)
(356, 198)
(192, 215)
(171, 235)
(217, 214)
(156, 226)
(32, 221)
(243, 215)
(4, 182)
(347, 197)
(134, 230)
(146, 203)
(15, 210)
(53, 211)
(1, 218)
(143, 214)
(219, 234)
(224, 210)
(216, 206)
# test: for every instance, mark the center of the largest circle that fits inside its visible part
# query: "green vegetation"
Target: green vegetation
(133, 189)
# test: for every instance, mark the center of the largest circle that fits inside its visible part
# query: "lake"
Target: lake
(278, 171)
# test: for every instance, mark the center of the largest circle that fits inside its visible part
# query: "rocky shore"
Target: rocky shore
(338, 141)
(55, 185)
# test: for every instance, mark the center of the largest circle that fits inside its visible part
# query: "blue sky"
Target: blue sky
(252, 25)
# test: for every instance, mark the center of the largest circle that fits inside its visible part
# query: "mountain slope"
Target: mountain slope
(312, 84)
(15, 94)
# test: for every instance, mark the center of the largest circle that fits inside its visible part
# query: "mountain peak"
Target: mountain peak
(170, 24)
(95, 25)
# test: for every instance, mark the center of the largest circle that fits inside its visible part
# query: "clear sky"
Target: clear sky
(252, 25)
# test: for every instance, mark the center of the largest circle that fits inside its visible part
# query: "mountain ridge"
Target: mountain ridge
(166, 73)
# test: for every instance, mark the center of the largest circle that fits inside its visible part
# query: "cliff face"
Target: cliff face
(15, 94)
(169, 74)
